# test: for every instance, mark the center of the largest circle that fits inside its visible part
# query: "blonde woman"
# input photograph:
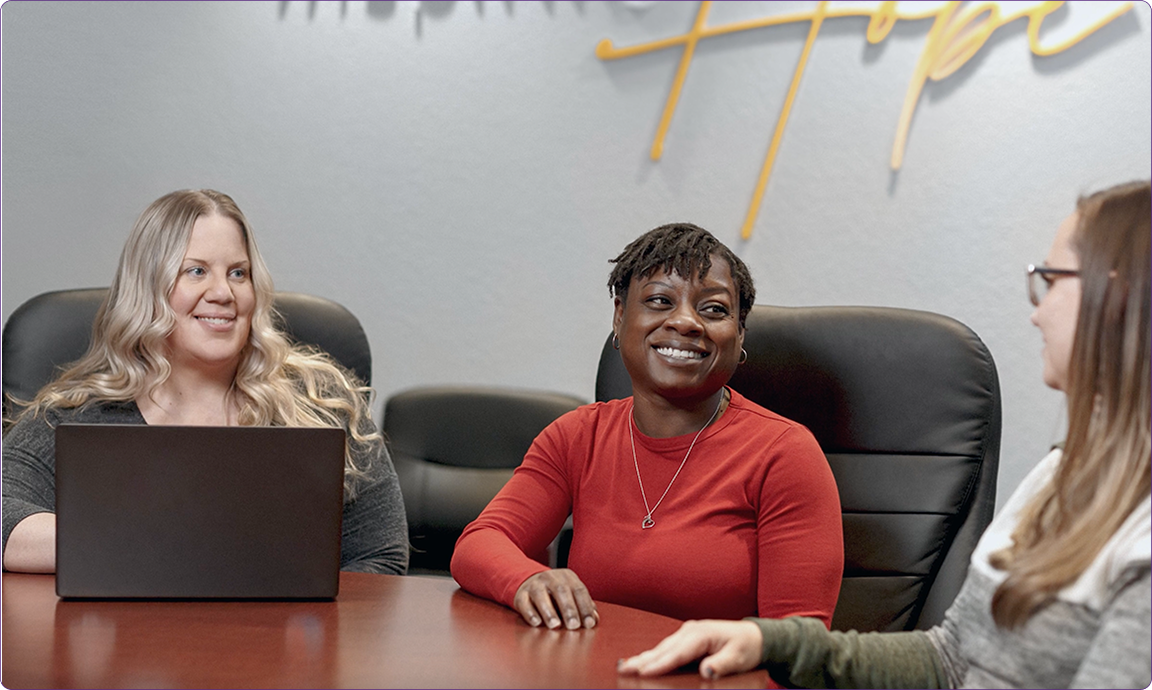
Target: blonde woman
(188, 336)
(1058, 589)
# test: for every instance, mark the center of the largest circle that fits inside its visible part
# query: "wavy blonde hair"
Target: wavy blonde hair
(276, 384)
(1104, 472)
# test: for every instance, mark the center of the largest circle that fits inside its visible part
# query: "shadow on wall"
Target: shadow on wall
(1107, 36)
(1123, 27)
(385, 9)
(285, 4)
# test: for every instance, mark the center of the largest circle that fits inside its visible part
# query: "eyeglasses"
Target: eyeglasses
(1040, 279)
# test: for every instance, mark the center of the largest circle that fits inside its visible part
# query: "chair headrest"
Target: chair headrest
(861, 378)
(470, 426)
(54, 329)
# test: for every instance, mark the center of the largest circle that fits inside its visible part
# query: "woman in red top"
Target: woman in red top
(687, 499)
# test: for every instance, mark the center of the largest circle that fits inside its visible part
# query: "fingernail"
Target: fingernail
(619, 664)
(534, 621)
(573, 623)
(553, 623)
(589, 622)
(709, 672)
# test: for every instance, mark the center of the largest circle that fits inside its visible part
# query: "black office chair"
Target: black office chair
(454, 448)
(906, 406)
(54, 329)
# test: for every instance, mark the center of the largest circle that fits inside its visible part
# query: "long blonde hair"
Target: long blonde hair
(276, 384)
(1104, 472)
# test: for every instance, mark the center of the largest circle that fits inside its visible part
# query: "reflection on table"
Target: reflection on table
(382, 631)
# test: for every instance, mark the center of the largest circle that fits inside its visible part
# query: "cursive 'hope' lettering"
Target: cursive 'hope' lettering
(953, 39)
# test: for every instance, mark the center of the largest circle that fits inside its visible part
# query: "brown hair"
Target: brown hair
(1104, 472)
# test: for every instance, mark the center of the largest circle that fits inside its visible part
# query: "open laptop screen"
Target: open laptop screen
(198, 512)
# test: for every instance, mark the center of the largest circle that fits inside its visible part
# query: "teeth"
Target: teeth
(679, 354)
(216, 320)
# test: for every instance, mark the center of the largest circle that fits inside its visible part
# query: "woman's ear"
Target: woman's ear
(617, 314)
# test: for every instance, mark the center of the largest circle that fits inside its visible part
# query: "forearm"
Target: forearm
(508, 542)
(390, 561)
(30, 489)
(31, 547)
(487, 563)
(801, 652)
(375, 525)
(376, 548)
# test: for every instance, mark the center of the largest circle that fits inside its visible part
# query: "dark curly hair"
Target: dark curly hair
(681, 248)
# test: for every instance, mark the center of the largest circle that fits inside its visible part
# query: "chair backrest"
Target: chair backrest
(54, 329)
(454, 448)
(906, 406)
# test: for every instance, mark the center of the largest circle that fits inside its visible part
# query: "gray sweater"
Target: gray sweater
(375, 528)
(1097, 633)
(1064, 645)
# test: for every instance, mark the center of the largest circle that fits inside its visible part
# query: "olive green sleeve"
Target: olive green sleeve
(801, 652)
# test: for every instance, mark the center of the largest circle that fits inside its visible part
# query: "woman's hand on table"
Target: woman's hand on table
(727, 647)
(556, 598)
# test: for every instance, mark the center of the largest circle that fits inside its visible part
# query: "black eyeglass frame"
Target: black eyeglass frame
(1049, 275)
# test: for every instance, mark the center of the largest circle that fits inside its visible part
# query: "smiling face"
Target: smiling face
(1057, 313)
(680, 338)
(213, 298)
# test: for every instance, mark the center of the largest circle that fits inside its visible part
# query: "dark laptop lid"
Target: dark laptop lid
(195, 512)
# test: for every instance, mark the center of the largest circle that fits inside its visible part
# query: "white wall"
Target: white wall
(458, 174)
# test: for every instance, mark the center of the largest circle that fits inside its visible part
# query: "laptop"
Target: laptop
(183, 512)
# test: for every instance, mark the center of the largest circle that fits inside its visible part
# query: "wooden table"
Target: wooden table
(382, 631)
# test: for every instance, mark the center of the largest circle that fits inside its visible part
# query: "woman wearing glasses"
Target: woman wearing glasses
(1058, 589)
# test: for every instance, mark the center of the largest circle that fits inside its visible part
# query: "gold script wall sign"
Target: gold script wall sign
(953, 39)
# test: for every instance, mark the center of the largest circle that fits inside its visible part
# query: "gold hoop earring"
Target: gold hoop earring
(615, 341)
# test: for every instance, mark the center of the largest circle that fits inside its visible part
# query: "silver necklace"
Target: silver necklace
(648, 522)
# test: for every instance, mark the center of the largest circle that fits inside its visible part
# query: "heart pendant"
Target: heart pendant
(648, 522)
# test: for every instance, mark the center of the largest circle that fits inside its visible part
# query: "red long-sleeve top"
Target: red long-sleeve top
(750, 527)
